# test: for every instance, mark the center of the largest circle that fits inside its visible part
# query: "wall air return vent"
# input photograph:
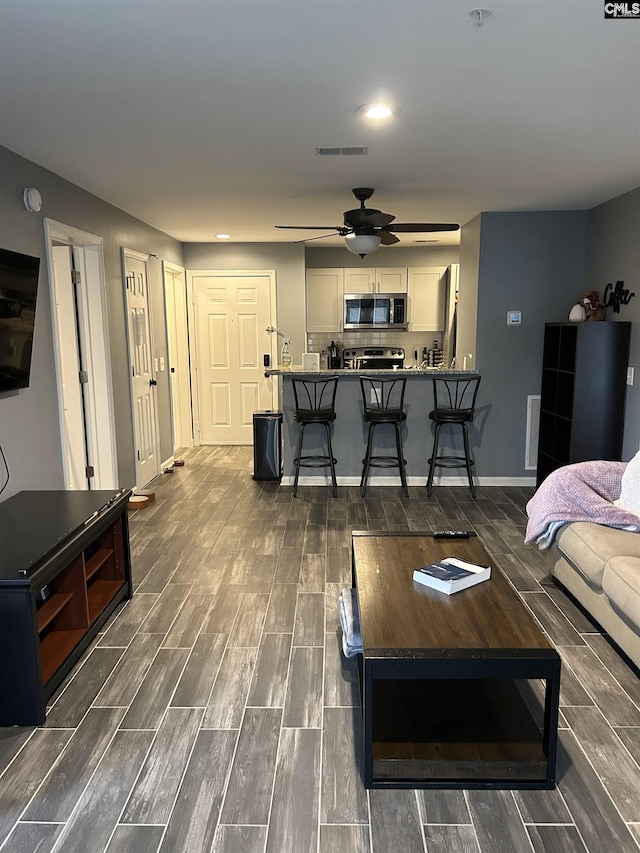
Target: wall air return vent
(346, 150)
(533, 429)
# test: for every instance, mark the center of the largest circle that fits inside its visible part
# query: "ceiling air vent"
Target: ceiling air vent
(337, 151)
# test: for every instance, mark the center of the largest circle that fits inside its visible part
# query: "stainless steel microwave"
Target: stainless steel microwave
(375, 311)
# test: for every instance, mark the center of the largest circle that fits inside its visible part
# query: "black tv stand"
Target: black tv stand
(65, 566)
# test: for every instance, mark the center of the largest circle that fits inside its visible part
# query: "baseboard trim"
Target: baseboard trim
(322, 480)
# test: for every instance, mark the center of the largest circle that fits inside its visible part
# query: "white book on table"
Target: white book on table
(452, 575)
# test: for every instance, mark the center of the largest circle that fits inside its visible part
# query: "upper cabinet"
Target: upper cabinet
(425, 287)
(370, 280)
(427, 298)
(325, 288)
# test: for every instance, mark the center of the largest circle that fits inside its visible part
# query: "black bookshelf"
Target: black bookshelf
(583, 391)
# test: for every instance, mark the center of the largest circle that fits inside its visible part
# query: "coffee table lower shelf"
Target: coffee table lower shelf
(455, 733)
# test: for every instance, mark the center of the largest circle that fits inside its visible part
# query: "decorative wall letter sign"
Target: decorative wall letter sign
(616, 296)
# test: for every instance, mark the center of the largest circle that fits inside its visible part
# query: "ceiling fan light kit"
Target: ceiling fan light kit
(362, 244)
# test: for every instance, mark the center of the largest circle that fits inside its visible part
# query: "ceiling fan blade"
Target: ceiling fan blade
(309, 227)
(378, 219)
(319, 237)
(412, 227)
(387, 238)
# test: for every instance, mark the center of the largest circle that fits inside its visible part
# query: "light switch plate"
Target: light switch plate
(630, 372)
(514, 318)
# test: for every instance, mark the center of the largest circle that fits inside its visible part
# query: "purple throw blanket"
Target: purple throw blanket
(584, 491)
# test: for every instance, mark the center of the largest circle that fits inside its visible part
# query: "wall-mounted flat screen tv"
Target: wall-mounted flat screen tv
(18, 291)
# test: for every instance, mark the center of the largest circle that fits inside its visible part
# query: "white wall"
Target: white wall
(468, 294)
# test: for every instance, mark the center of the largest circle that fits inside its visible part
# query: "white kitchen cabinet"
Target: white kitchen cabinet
(325, 288)
(378, 280)
(427, 298)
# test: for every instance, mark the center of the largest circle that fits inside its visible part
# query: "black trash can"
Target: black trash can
(267, 444)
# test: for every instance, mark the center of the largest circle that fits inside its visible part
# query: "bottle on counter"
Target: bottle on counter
(435, 356)
(323, 359)
(285, 355)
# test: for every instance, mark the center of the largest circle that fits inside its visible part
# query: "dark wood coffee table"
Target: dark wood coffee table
(449, 688)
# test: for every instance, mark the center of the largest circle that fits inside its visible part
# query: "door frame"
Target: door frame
(100, 433)
(144, 258)
(178, 353)
(193, 351)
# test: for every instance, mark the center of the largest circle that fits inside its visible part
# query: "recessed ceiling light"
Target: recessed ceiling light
(223, 236)
(377, 111)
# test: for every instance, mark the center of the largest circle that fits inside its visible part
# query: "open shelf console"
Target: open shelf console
(64, 568)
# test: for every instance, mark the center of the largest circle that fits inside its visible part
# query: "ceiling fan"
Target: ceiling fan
(365, 228)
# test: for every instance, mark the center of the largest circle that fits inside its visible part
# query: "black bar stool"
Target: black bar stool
(454, 402)
(315, 401)
(383, 404)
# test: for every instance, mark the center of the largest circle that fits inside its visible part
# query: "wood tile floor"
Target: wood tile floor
(216, 712)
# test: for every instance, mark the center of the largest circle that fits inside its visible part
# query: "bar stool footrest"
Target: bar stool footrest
(383, 461)
(451, 461)
(314, 461)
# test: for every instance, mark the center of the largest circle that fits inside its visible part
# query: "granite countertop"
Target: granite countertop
(405, 371)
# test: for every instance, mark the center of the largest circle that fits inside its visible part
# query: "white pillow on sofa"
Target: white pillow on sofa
(630, 495)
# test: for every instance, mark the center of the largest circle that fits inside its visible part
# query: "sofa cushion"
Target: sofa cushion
(589, 547)
(630, 487)
(621, 585)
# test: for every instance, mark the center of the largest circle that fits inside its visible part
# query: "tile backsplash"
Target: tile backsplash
(411, 342)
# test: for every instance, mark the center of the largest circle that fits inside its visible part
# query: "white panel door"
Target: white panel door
(81, 343)
(143, 382)
(175, 292)
(232, 313)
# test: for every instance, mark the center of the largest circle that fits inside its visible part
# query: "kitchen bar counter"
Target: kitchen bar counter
(427, 372)
(349, 431)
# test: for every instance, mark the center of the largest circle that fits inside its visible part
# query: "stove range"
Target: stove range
(372, 358)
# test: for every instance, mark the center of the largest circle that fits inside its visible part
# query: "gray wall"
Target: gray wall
(613, 254)
(287, 259)
(534, 263)
(29, 430)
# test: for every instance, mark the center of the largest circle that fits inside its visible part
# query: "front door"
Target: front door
(142, 377)
(232, 313)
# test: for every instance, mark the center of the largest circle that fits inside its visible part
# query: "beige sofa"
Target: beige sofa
(600, 567)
